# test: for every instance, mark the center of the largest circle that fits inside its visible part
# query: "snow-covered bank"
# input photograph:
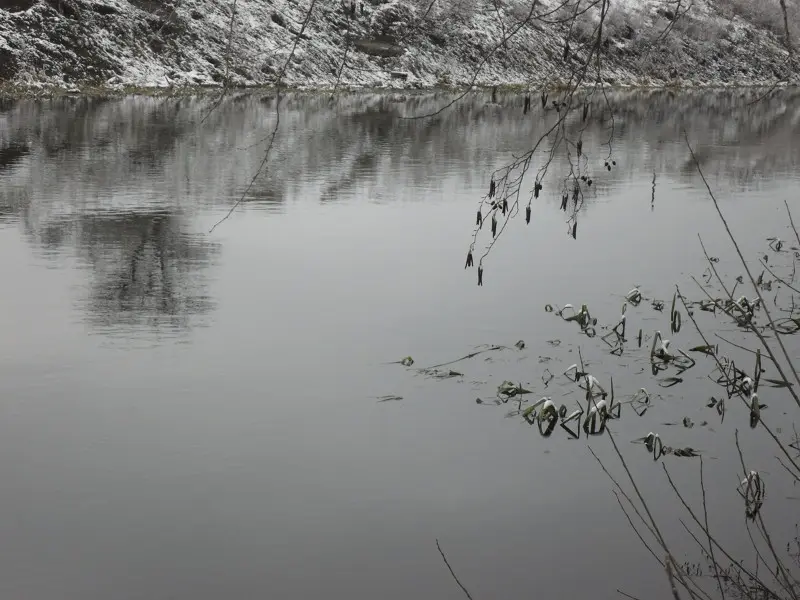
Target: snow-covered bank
(149, 43)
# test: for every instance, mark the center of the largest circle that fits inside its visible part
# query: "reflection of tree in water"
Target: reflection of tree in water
(359, 141)
(81, 145)
(87, 177)
(11, 154)
(737, 136)
(119, 179)
(144, 270)
(359, 145)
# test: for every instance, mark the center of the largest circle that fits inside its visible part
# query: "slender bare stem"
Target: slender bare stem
(744, 264)
(444, 558)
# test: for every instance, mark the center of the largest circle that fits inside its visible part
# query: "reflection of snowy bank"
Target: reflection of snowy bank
(117, 43)
(355, 144)
(125, 186)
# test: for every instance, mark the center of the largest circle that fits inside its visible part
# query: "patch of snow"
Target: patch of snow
(116, 43)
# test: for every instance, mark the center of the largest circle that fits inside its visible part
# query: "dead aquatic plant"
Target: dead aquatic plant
(652, 441)
(767, 370)
(546, 415)
(773, 572)
(581, 317)
(662, 357)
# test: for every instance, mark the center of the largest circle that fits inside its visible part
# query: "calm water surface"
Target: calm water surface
(194, 415)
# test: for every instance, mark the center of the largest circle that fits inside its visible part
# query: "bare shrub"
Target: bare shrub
(767, 14)
(583, 27)
(392, 20)
(519, 10)
(619, 22)
(650, 40)
(701, 31)
(623, 24)
(457, 11)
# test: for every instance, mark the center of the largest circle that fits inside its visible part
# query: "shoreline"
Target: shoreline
(23, 91)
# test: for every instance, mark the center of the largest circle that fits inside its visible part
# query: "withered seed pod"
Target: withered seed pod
(580, 147)
(494, 226)
(527, 214)
(469, 259)
(492, 186)
(564, 199)
(480, 275)
(479, 220)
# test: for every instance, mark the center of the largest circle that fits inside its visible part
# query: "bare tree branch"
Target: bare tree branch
(744, 264)
(274, 133)
(226, 80)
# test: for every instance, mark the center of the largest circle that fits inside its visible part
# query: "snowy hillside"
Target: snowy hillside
(117, 43)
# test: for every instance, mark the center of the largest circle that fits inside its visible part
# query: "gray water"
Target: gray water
(186, 414)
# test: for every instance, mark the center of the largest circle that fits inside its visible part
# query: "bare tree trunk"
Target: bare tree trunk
(786, 27)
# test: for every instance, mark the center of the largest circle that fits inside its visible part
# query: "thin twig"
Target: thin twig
(779, 279)
(622, 491)
(744, 263)
(636, 531)
(480, 66)
(750, 325)
(710, 545)
(688, 508)
(347, 44)
(787, 583)
(279, 80)
(444, 558)
(734, 344)
(671, 578)
(791, 222)
(621, 593)
(662, 542)
(226, 80)
(728, 380)
(465, 357)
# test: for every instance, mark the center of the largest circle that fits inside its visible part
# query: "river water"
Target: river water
(186, 414)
